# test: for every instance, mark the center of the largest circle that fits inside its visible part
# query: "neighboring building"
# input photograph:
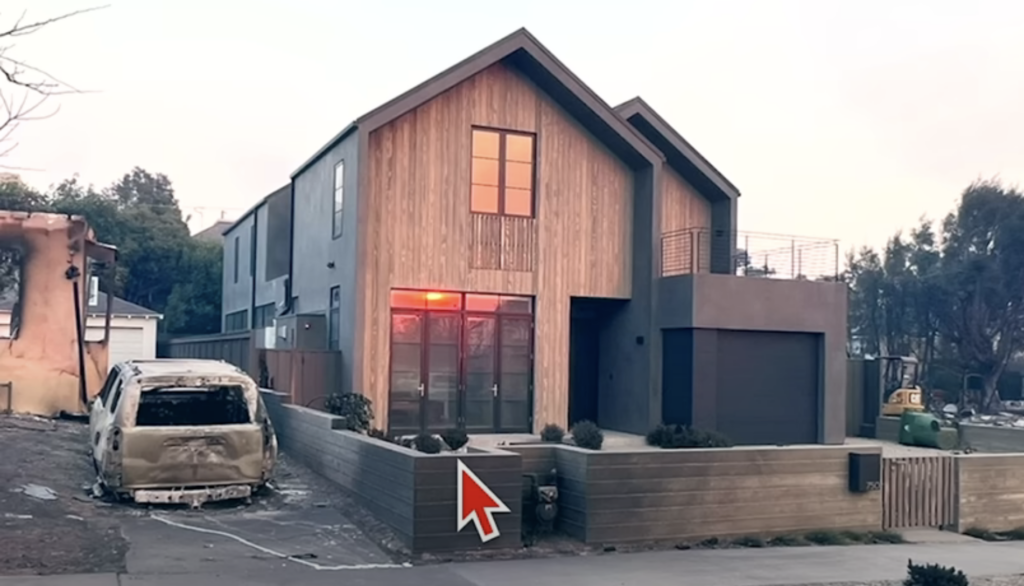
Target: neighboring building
(45, 265)
(499, 249)
(133, 328)
(214, 233)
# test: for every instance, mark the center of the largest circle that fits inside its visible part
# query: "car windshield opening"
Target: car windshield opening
(192, 406)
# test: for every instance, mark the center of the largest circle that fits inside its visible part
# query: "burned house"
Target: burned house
(46, 364)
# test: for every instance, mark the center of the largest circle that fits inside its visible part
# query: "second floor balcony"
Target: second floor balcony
(749, 254)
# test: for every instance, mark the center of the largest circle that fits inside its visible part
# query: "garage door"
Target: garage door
(768, 387)
(126, 344)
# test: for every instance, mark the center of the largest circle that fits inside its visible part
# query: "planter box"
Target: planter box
(692, 494)
(412, 492)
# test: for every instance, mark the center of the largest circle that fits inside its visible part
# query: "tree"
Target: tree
(194, 305)
(982, 281)
(25, 89)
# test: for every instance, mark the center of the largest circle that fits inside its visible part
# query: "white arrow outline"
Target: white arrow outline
(460, 469)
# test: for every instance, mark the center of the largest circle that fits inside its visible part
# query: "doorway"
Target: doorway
(460, 360)
(587, 320)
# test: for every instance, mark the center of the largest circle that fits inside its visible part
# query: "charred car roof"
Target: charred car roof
(183, 367)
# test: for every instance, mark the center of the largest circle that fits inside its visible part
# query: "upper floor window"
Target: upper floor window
(503, 173)
(339, 198)
(238, 257)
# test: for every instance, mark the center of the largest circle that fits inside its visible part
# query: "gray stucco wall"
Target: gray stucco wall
(264, 289)
(744, 303)
(237, 296)
(315, 248)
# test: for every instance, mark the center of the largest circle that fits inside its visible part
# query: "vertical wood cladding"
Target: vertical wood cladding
(420, 233)
(683, 209)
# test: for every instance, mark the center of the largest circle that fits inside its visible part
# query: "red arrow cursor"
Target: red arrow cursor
(477, 504)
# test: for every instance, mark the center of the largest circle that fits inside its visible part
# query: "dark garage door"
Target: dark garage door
(768, 387)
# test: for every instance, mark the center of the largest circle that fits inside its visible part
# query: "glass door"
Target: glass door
(407, 384)
(444, 331)
(515, 373)
(481, 380)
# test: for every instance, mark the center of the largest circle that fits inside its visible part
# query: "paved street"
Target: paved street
(765, 567)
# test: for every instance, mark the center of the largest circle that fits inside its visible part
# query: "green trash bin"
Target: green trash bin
(918, 428)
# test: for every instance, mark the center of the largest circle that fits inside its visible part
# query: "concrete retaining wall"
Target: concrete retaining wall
(991, 491)
(992, 440)
(688, 495)
(412, 492)
(888, 429)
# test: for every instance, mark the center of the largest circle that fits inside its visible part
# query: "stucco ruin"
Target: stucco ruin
(40, 357)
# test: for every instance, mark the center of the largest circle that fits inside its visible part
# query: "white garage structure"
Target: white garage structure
(132, 327)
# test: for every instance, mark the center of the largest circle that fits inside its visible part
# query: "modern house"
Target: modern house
(498, 249)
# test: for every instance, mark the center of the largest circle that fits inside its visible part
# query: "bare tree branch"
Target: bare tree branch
(35, 85)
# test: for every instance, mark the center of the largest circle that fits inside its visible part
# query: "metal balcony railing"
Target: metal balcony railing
(748, 254)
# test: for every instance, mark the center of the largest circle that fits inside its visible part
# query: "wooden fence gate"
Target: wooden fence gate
(918, 491)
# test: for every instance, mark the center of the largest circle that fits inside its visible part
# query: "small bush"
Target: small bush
(379, 434)
(552, 433)
(1015, 534)
(933, 575)
(787, 541)
(885, 537)
(674, 436)
(825, 538)
(455, 438)
(587, 435)
(427, 443)
(748, 541)
(355, 408)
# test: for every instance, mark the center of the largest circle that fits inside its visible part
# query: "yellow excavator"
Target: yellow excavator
(900, 387)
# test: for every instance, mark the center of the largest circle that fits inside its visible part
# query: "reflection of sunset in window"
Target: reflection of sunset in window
(502, 173)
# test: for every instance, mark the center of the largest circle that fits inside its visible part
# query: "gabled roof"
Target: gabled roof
(679, 153)
(523, 51)
(232, 225)
(119, 307)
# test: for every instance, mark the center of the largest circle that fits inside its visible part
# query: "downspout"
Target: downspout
(291, 248)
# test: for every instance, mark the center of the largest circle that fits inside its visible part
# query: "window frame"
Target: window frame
(502, 161)
(334, 318)
(338, 211)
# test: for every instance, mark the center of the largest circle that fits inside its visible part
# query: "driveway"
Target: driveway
(49, 524)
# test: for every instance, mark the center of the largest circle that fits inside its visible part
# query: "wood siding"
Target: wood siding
(681, 206)
(420, 234)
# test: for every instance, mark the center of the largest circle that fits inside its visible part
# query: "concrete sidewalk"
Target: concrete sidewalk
(747, 567)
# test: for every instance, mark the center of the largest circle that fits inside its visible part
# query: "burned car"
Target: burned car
(180, 431)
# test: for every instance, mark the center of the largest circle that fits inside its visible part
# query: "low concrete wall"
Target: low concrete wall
(688, 495)
(888, 429)
(992, 440)
(412, 492)
(991, 491)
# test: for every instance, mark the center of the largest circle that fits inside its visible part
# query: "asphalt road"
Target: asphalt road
(870, 564)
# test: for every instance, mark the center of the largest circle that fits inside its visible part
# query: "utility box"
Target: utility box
(301, 332)
(865, 472)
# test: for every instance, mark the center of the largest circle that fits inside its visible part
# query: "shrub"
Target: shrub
(587, 435)
(552, 433)
(933, 575)
(787, 541)
(675, 436)
(825, 538)
(455, 438)
(748, 541)
(355, 408)
(427, 443)
(379, 434)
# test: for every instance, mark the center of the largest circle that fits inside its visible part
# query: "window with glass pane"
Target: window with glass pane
(516, 372)
(502, 173)
(334, 319)
(406, 371)
(443, 334)
(339, 198)
(481, 380)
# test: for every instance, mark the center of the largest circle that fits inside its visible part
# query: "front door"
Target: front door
(467, 363)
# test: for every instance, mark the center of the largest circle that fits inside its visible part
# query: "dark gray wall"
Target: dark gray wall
(629, 388)
(411, 492)
(314, 246)
(725, 302)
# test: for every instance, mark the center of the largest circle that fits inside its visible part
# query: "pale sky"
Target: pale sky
(835, 118)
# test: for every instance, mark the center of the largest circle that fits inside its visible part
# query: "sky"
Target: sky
(835, 118)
